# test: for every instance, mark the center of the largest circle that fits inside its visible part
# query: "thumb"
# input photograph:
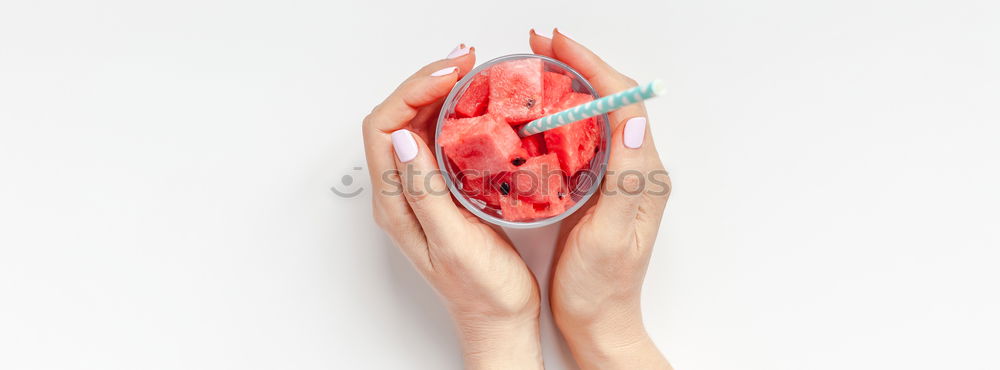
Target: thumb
(423, 186)
(631, 168)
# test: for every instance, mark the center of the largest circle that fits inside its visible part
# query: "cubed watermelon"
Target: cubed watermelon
(475, 99)
(555, 85)
(513, 208)
(516, 90)
(482, 188)
(484, 144)
(575, 143)
(539, 180)
(533, 145)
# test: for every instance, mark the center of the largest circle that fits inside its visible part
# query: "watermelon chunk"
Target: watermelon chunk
(575, 143)
(513, 208)
(482, 188)
(539, 180)
(475, 99)
(518, 179)
(516, 90)
(480, 145)
(533, 145)
(555, 85)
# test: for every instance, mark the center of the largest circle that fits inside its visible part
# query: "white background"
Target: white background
(164, 176)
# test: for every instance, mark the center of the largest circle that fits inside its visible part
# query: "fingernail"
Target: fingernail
(635, 131)
(404, 145)
(540, 34)
(459, 51)
(444, 72)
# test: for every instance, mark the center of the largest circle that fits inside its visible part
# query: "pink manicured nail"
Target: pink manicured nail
(404, 145)
(444, 72)
(635, 131)
(459, 51)
(540, 34)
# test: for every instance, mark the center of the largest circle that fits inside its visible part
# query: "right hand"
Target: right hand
(606, 247)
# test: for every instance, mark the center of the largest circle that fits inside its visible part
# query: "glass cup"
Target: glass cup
(581, 186)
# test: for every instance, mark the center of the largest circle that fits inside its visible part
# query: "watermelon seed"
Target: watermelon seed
(504, 188)
(561, 195)
(518, 161)
(531, 102)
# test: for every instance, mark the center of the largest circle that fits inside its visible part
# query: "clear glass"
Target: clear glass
(582, 186)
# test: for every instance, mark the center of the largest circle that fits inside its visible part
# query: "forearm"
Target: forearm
(501, 345)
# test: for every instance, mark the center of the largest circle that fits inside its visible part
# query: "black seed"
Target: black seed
(596, 149)
(505, 188)
(561, 195)
(531, 102)
(518, 161)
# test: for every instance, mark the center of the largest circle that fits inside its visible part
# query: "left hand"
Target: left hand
(488, 289)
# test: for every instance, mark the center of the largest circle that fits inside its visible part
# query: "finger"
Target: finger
(422, 88)
(634, 184)
(403, 104)
(424, 187)
(424, 122)
(606, 80)
(377, 141)
(540, 45)
(633, 160)
(460, 55)
(418, 94)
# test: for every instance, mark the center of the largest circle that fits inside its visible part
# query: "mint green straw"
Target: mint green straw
(594, 108)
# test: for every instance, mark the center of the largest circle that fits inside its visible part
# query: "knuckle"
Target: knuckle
(630, 184)
(418, 197)
(366, 124)
(369, 120)
(616, 251)
(374, 112)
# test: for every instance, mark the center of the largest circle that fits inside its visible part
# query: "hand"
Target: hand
(606, 248)
(488, 289)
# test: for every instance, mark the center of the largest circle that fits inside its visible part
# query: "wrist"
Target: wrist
(612, 341)
(615, 353)
(510, 343)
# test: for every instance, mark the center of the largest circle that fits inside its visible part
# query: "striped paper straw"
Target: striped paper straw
(594, 108)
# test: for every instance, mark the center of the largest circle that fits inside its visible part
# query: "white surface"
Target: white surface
(164, 175)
